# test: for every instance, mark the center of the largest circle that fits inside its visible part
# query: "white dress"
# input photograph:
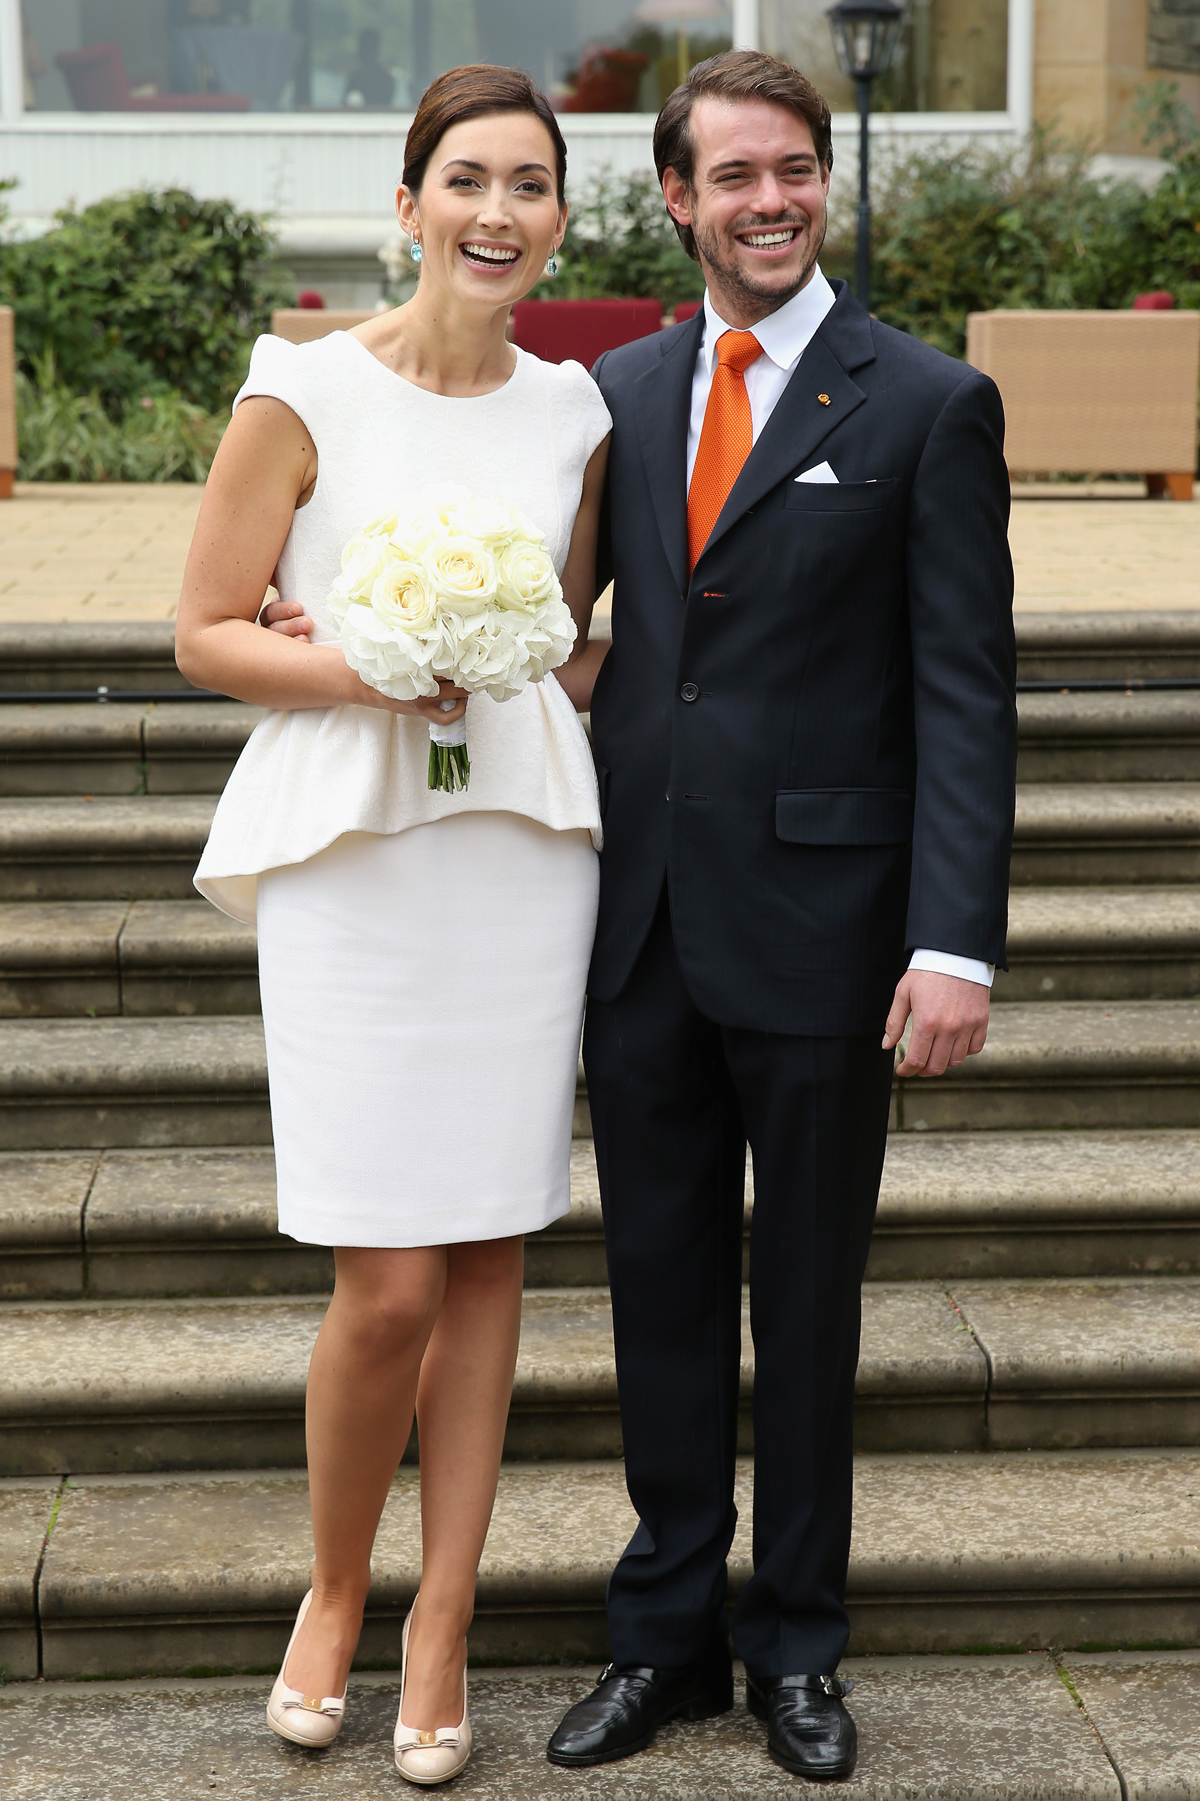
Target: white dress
(422, 956)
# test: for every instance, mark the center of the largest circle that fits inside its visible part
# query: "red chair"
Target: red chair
(607, 82)
(99, 83)
(687, 309)
(1157, 302)
(557, 330)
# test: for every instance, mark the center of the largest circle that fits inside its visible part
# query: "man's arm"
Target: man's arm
(964, 669)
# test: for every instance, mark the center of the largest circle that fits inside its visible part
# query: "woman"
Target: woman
(422, 955)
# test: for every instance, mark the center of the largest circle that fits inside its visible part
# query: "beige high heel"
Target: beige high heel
(429, 1757)
(311, 1720)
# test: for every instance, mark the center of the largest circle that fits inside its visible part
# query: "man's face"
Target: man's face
(757, 207)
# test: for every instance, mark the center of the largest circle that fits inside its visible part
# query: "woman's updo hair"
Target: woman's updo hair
(475, 91)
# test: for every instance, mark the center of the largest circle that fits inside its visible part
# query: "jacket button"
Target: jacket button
(689, 691)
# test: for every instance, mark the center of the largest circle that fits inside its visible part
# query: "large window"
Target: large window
(609, 56)
(952, 56)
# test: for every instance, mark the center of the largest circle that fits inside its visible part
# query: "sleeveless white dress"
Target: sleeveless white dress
(422, 956)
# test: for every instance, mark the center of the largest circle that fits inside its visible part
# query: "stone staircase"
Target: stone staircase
(1028, 1405)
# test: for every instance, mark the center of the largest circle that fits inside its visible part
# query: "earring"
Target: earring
(415, 251)
(552, 265)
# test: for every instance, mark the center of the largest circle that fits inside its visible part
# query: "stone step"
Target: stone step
(1102, 646)
(70, 1083)
(1068, 944)
(157, 957)
(110, 848)
(142, 1386)
(1138, 736)
(123, 1224)
(106, 957)
(1062, 1064)
(157, 1575)
(112, 654)
(119, 747)
(1033, 1728)
(1118, 832)
(146, 847)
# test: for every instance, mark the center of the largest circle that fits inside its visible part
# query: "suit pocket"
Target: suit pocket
(844, 816)
(838, 497)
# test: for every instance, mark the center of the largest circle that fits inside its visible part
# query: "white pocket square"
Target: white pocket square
(821, 472)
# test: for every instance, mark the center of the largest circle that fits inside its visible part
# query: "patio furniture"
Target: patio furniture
(300, 325)
(8, 403)
(687, 309)
(1095, 392)
(558, 330)
(99, 83)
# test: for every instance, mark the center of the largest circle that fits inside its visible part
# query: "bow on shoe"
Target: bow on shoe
(291, 1697)
(407, 1738)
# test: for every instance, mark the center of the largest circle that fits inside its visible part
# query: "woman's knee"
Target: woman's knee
(388, 1301)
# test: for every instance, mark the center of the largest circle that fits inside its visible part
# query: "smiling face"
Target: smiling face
(756, 205)
(487, 215)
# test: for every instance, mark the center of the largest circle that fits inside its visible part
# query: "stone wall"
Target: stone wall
(1173, 35)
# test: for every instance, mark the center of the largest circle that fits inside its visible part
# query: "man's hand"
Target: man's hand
(950, 1021)
(288, 617)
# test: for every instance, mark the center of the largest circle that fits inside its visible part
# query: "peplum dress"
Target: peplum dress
(422, 956)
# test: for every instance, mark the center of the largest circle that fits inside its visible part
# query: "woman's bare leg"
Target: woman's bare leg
(462, 1408)
(362, 1386)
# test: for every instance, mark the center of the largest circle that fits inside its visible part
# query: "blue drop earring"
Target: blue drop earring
(415, 251)
(552, 266)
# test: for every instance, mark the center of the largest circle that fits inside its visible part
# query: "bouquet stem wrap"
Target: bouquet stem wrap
(452, 587)
(449, 764)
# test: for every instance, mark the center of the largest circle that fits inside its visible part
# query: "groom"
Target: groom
(805, 734)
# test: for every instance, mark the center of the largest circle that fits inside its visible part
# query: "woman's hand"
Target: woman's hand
(288, 618)
(577, 676)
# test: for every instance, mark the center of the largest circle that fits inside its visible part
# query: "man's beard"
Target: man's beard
(730, 275)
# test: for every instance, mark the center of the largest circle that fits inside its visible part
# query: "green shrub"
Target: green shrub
(621, 244)
(142, 294)
(71, 437)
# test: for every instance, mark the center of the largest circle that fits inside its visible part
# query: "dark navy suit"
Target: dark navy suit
(806, 754)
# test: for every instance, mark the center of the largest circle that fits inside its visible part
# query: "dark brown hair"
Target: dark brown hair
(475, 91)
(735, 75)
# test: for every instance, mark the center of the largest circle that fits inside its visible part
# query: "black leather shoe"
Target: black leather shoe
(808, 1728)
(626, 1708)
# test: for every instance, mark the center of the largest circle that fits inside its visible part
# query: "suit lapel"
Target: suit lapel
(664, 403)
(800, 420)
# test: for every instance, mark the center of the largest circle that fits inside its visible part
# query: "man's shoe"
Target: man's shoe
(808, 1728)
(627, 1706)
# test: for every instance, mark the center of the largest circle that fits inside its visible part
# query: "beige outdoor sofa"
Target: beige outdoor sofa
(1088, 393)
(8, 404)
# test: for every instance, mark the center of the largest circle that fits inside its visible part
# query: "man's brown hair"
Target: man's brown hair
(732, 76)
(475, 91)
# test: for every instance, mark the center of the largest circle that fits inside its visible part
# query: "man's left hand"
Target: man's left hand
(950, 1021)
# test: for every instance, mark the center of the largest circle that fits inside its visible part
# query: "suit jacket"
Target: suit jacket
(813, 738)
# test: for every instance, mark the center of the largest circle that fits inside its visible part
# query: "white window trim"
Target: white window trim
(746, 35)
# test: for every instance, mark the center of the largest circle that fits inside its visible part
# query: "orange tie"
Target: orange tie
(726, 437)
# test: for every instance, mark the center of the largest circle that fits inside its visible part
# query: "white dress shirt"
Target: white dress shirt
(785, 335)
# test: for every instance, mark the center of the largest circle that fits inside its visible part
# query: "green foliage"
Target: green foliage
(142, 294)
(969, 230)
(71, 437)
(620, 244)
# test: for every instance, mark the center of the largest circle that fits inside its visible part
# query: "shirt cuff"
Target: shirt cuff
(942, 963)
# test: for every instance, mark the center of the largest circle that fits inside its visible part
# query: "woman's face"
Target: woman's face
(487, 216)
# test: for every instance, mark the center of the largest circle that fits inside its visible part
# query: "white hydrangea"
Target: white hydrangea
(456, 587)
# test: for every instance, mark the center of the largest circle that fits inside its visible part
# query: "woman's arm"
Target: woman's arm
(577, 676)
(265, 468)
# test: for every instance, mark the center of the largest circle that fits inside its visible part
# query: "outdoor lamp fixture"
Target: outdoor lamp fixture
(864, 35)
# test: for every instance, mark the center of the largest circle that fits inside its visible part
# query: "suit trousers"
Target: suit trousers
(675, 1097)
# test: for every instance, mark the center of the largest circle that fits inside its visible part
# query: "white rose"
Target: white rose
(379, 528)
(417, 529)
(464, 574)
(527, 577)
(403, 597)
(482, 517)
(363, 562)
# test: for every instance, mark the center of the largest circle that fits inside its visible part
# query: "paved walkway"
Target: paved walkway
(1019, 1728)
(94, 551)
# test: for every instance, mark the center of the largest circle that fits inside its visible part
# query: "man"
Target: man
(805, 735)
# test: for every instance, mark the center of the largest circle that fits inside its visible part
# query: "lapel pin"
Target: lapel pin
(824, 399)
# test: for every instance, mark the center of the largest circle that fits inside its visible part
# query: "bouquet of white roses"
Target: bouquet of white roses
(456, 587)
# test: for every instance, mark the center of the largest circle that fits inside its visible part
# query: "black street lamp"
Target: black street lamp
(864, 36)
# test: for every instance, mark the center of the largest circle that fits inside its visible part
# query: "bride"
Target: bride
(422, 955)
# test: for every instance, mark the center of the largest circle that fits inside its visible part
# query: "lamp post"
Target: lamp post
(864, 37)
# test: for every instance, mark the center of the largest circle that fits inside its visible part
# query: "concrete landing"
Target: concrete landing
(937, 1729)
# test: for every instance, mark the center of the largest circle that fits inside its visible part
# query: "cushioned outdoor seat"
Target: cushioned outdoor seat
(558, 330)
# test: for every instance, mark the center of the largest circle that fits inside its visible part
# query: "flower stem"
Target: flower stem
(449, 767)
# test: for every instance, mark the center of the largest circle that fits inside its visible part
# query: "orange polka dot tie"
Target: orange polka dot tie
(726, 438)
